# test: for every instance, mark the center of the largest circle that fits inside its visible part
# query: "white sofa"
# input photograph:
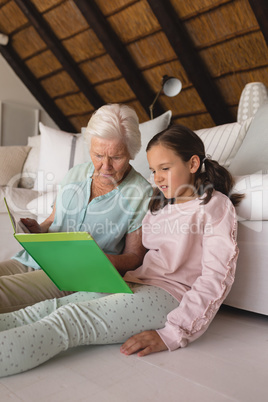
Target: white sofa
(242, 147)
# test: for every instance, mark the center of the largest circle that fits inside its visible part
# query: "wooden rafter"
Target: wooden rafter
(35, 88)
(191, 62)
(260, 9)
(60, 52)
(118, 53)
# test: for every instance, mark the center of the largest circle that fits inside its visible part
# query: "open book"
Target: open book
(72, 260)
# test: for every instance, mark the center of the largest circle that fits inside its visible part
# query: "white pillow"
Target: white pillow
(253, 96)
(12, 159)
(148, 130)
(223, 142)
(59, 151)
(252, 155)
(254, 207)
(30, 166)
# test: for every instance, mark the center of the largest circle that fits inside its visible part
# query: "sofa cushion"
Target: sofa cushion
(59, 151)
(253, 96)
(148, 129)
(252, 156)
(12, 159)
(223, 142)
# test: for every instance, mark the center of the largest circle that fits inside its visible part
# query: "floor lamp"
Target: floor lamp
(171, 86)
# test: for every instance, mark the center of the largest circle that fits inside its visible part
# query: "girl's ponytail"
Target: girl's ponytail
(212, 176)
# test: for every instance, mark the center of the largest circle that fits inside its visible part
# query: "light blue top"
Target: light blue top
(108, 218)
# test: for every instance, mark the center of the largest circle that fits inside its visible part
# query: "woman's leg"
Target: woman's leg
(13, 267)
(109, 319)
(25, 289)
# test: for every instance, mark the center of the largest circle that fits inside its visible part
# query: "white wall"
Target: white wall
(13, 91)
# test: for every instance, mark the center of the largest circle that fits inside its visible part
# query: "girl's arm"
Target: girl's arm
(145, 343)
(200, 304)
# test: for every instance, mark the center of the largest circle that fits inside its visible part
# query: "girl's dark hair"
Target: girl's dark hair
(209, 176)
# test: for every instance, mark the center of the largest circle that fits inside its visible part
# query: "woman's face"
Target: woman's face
(110, 159)
(173, 176)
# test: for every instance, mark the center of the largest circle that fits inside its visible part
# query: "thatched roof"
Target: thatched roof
(75, 56)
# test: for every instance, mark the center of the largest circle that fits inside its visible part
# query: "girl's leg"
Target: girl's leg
(106, 320)
(34, 313)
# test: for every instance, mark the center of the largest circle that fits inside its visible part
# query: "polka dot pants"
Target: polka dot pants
(33, 335)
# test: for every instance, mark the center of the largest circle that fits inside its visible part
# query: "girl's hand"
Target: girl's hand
(147, 342)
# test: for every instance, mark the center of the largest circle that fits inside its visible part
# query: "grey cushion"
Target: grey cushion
(252, 156)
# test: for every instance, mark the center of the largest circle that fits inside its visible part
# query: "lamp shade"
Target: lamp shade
(171, 86)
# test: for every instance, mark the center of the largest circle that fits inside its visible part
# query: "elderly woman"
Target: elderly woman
(105, 197)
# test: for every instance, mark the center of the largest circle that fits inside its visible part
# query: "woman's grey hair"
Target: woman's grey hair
(116, 121)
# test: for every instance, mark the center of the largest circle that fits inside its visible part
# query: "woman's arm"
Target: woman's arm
(48, 222)
(132, 255)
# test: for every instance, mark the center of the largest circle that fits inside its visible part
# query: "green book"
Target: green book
(72, 260)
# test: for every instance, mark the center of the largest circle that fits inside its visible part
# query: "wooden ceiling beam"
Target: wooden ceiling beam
(54, 44)
(36, 88)
(191, 61)
(260, 9)
(119, 54)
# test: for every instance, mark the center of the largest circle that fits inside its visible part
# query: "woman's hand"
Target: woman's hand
(146, 342)
(32, 225)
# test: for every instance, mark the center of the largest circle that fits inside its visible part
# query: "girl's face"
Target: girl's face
(173, 176)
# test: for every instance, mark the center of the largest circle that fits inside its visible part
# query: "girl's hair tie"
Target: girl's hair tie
(205, 158)
(203, 169)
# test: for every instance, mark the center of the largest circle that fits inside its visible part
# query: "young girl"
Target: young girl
(190, 234)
